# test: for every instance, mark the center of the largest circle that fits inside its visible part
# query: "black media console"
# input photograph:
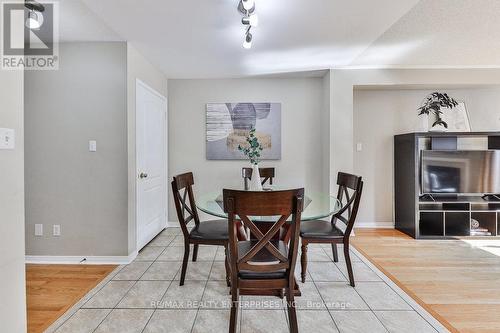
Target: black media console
(442, 215)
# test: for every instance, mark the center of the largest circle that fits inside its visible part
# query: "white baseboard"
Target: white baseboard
(88, 260)
(173, 224)
(377, 225)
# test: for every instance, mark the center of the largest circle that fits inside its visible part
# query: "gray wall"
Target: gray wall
(12, 276)
(84, 192)
(380, 114)
(301, 108)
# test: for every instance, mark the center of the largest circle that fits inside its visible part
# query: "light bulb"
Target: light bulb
(247, 43)
(253, 20)
(34, 20)
(248, 4)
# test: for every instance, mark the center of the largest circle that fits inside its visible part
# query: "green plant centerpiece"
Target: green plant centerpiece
(433, 104)
(253, 149)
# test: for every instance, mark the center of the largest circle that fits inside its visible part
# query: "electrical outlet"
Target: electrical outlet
(56, 230)
(38, 229)
(359, 146)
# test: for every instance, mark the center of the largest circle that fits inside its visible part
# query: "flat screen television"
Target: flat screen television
(460, 172)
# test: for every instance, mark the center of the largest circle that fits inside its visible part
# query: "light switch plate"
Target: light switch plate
(7, 138)
(359, 146)
(56, 230)
(38, 229)
(92, 145)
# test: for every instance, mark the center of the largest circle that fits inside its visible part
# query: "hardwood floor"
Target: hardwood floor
(457, 281)
(52, 289)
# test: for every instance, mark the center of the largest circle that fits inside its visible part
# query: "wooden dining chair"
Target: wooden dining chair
(317, 231)
(264, 264)
(266, 174)
(206, 233)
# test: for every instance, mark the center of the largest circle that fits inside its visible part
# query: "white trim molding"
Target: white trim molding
(86, 260)
(376, 225)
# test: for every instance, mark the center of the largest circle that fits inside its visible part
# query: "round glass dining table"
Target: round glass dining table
(316, 206)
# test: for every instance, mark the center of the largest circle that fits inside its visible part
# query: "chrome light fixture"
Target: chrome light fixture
(35, 16)
(248, 4)
(249, 20)
(247, 43)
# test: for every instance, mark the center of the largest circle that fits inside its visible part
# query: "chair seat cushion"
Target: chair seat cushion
(320, 229)
(263, 257)
(211, 230)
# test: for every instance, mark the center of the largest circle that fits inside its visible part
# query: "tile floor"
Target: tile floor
(145, 296)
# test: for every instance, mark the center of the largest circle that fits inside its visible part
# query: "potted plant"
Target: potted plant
(433, 104)
(252, 150)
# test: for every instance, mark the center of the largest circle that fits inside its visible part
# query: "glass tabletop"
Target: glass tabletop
(316, 206)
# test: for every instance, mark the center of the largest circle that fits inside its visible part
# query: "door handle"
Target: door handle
(143, 175)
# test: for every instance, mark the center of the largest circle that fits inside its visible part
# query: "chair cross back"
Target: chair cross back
(185, 202)
(242, 204)
(266, 174)
(263, 240)
(349, 201)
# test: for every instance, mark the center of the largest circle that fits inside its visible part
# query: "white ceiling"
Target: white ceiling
(202, 38)
(78, 23)
(440, 33)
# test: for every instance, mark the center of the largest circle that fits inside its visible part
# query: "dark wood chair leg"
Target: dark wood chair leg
(233, 321)
(303, 262)
(195, 252)
(348, 263)
(292, 314)
(228, 269)
(335, 252)
(184, 263)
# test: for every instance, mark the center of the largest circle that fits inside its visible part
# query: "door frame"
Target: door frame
(144, 85)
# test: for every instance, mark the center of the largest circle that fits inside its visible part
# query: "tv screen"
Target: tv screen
(460, 172)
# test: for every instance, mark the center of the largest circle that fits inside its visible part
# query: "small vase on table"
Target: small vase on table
(252, 149)
(255, 184)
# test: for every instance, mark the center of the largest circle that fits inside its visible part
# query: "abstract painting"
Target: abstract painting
(228, 125)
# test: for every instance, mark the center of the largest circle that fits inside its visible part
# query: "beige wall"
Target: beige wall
(380, 114)
(137, 68)
(343, 82)
(301, 114)
(12, 276)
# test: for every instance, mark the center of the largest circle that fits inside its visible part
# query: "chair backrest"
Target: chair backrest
(266, 174)
(240, 205)
(184, 203)
(349, 195)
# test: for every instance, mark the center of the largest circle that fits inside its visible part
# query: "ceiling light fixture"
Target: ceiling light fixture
(35, 16)
(247, 43)
(249, 20)
(248, 4)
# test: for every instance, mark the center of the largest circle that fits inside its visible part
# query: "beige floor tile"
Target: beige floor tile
(171, 321)
(84, 321)
(144, 294)
(162, 270)
(109, 295)
(357, 322)
(125, 321)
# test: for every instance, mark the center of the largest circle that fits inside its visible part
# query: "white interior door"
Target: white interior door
(151, 162)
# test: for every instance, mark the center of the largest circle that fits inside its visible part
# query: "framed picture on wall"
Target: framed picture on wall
(228, 125)
(457, 118)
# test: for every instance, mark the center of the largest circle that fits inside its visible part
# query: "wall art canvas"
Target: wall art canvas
(228, 125)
